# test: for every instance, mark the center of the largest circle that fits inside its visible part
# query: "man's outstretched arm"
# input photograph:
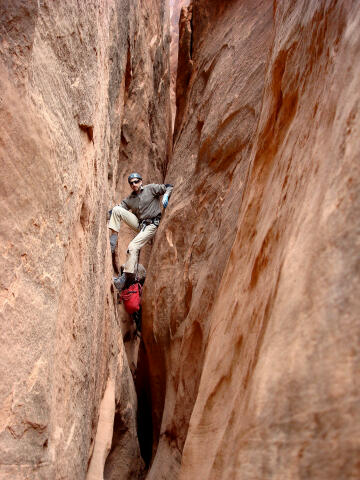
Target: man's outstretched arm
(167, 194)
(162, 189)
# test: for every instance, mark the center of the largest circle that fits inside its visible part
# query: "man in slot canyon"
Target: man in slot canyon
(141, 210)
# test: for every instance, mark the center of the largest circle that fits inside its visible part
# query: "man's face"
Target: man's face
(135, 184)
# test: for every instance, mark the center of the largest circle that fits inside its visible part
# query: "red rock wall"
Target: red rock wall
(214, 131)
(251, 305)
(73, 76)
(175, 9)
(252, 319)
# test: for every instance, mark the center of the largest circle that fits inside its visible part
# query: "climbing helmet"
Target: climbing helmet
(134, 175)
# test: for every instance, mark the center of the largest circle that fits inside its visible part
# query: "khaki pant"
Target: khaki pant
(120, 213)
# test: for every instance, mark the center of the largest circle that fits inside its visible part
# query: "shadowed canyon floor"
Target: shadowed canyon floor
(248, 364)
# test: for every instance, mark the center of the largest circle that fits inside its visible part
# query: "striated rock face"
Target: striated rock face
(248, 369)
(214, 131)
(73, 76)
(175, 10)
(252, 320)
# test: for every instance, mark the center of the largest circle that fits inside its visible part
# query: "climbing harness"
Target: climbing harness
(149, 221)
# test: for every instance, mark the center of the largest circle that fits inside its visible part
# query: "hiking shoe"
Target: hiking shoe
(119, 281)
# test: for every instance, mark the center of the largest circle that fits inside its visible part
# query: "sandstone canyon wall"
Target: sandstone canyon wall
(248, 365)
(175, 10)
(84, 98)
(252, 320)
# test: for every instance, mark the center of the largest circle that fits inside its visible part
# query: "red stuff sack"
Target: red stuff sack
(131, 298)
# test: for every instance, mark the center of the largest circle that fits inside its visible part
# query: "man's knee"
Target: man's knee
(133, 248)
(118, 211)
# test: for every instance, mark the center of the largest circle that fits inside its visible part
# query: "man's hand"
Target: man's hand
(165, 200)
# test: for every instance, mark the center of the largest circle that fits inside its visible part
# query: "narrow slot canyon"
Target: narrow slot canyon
(243, 364)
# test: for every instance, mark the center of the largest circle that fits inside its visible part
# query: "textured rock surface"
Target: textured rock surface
(254, 321)
(214, 131)
(251, 304)
(73, 75)
(175, 9)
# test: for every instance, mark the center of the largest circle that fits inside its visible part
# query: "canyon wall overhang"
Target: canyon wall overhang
(252, 317)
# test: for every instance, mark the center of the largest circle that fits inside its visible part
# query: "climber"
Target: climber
(144, 218)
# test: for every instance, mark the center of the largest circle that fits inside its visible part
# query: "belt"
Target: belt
(150, 221)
